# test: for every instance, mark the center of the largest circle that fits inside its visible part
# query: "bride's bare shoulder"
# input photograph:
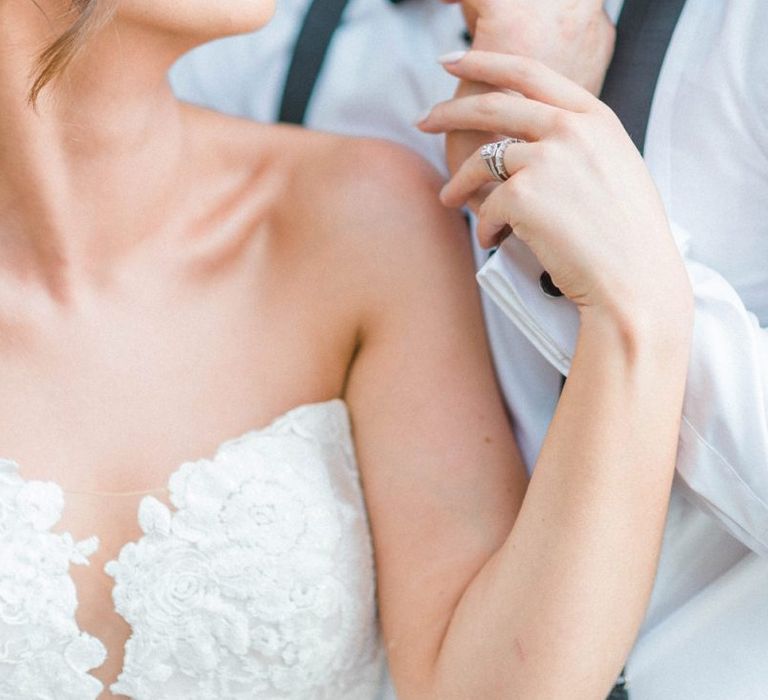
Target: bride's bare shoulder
(368, 202)
(375, 198)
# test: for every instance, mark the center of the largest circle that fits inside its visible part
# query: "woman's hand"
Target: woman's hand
(579, 194)
(574, 38)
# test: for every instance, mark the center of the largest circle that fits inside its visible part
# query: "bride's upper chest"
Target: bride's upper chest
(109, 393)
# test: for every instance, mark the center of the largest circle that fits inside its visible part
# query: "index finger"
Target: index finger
(521, 74)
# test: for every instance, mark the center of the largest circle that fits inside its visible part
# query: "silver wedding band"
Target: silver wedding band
(493, 157)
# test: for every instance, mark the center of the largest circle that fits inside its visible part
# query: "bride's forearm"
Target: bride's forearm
(555, 611)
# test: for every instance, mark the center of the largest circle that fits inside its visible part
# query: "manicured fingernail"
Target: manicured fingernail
(452, 57)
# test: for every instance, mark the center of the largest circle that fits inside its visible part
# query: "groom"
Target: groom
(688, 80)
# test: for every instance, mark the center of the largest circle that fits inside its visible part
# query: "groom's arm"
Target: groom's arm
(723, 452)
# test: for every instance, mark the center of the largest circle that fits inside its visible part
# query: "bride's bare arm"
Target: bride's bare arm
(483, 595)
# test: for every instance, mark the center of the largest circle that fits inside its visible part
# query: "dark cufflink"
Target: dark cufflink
(548, 286)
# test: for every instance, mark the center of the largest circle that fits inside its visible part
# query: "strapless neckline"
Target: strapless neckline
(296, 437)
(335, 404)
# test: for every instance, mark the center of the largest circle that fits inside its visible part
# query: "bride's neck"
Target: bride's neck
(89, 169)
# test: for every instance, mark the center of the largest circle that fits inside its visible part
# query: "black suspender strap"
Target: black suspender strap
(643, 33)
(320, 22)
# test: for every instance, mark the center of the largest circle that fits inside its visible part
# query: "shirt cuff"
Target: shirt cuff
(511, 280)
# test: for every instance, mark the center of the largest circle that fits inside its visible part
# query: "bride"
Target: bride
(197, 313)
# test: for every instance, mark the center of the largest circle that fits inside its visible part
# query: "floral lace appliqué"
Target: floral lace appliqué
(43, 654)
(259, 583)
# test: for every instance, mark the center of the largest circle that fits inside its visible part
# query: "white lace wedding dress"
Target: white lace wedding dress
(256, 583)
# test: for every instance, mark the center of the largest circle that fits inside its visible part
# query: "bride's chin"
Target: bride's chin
(199, 20)
(249, 16)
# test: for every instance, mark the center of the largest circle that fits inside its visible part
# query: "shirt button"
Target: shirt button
(548, 286)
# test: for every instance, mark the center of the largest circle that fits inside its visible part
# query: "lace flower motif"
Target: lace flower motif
(259, 584)
(43, 654)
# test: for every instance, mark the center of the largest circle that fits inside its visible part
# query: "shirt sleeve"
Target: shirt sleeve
(723, 449)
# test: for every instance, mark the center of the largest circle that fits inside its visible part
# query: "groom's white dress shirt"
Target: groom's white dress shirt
(706, 633)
